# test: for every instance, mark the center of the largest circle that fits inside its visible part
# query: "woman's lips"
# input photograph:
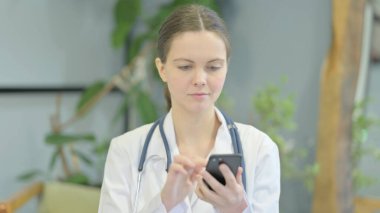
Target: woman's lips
(199, 96)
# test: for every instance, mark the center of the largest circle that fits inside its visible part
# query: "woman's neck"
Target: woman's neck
(195, 132)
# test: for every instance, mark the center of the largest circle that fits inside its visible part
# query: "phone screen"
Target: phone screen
(233, 161)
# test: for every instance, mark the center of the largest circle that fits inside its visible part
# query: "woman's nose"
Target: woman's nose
(199, 78)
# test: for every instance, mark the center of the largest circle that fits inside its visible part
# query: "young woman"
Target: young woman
(193, 52)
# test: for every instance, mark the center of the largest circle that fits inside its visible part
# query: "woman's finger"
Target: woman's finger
(212, 182)
(198, 190)
(239, 176)
(227, 174)
(176, 169)
(184, 161)
(207, 194)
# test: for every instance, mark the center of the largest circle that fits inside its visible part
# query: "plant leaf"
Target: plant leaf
(146, 107)
(54, 158)
(29, 175)
(89, 93)
(122, 109)
(78, 178)
(209, 3)
(102, 148)
(136, 45)
(83, 157)
(126, 13)
(60, 139)
(154, 22)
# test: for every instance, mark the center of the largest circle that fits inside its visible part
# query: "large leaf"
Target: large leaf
(91, 91)
(122, 109)
(60, 139)
(126, 13)
(136, 45)
(209, 3)
(102, 148)
(78, 178)
(54, 158)
(146, 107)
(156, 20)
(140, 100)
(29, 175)
(83, 157)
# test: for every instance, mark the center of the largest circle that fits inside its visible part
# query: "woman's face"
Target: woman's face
(195, 70)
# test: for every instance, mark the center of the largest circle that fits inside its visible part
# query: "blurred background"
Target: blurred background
(74, 74)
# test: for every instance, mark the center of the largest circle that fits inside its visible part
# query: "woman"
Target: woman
(193, 52)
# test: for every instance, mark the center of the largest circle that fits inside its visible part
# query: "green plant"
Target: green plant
(127, 14)
(361, 125)
(133, 81)
(275, 117)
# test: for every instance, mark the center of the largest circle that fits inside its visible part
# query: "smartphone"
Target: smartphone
(233, 161)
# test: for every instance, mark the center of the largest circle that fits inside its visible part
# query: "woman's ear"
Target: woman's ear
(160, 68)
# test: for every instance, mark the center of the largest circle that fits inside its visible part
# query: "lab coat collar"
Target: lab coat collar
(223, 142)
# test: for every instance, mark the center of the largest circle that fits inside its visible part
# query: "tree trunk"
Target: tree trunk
(333, 186)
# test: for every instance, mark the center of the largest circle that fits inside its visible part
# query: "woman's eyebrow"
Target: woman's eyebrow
(183, 59)
(216, 60)
(191, 61)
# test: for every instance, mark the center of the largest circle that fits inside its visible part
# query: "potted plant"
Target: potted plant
(361, 125)
(132, 81)
(275, 113)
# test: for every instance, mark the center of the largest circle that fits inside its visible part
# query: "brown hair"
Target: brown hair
(189, 18)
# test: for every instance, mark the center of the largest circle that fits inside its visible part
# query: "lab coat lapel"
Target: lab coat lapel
(223, 142)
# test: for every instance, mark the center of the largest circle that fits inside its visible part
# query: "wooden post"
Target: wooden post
(333, 186)
(21, 198)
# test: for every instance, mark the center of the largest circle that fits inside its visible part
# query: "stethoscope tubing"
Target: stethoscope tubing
(236, 143)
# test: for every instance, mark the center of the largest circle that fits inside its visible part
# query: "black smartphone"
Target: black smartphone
(233, 161)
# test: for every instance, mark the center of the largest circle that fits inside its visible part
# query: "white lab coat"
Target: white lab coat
(121, 175)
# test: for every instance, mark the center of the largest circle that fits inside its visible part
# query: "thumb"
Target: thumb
(239, 175)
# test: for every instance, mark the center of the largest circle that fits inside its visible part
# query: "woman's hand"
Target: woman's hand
(179, 183)
(228, 198)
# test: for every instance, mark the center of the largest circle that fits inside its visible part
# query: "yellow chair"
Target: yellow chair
(56, 197)
(367, 205)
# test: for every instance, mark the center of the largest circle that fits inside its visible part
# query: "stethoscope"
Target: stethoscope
(236, 143)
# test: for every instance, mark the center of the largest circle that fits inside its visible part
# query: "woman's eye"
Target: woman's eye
(213, 68)
(185, 67)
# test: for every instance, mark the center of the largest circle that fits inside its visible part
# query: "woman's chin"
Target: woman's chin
(201, 107)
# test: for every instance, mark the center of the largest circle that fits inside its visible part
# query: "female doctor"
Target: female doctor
(193, 52)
